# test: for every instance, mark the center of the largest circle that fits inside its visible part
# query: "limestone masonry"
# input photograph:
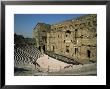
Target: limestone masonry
(75, 38)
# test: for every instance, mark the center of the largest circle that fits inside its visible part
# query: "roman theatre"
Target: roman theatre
(65, 48)
(75, 39)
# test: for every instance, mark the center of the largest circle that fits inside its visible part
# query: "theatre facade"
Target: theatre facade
(75, 38)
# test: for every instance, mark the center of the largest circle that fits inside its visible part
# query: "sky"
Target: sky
(24, 23)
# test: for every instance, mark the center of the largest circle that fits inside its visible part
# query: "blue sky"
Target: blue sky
(24, 23)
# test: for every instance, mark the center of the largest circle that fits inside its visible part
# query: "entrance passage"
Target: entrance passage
(40, 48)
(88, 53)
(44, 48)
(53, 48)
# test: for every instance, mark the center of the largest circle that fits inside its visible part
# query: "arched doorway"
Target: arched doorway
(44, 48)
(53, 48)
(88, 53)
(40, 48)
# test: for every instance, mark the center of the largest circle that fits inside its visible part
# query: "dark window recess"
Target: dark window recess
(68, 31)
(40, 48)
(75, 24)
(76, 29)
(43, 31)
(64, 41)
(88, 53)
(75, 32)
(44, 47)
(89, 23)
(67, 49)
(81, 35)
(76, 50)
(53, 48)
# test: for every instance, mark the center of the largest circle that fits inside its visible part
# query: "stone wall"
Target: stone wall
(76, 39)
(40, 34)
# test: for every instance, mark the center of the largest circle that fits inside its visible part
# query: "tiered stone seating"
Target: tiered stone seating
(25, 55)
(62, 58)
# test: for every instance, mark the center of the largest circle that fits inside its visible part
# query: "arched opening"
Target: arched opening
(88, 53)
(44, 48)
(67, 49)
(76, 32)
(76, 50)
(53, 48)
(68, 31)
(40, 48)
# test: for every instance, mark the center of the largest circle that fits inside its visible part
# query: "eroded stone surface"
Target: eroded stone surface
(75, 39)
